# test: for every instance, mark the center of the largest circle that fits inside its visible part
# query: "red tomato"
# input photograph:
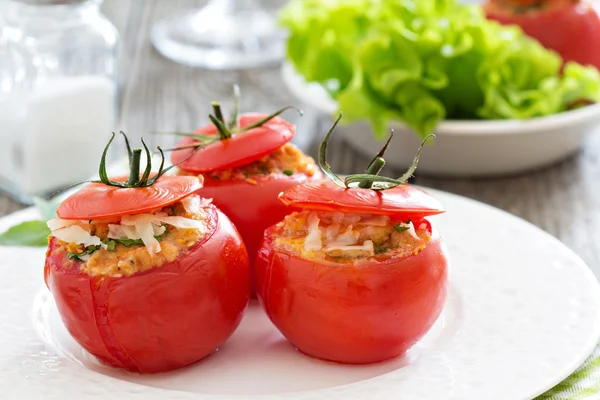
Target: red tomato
(352, 314)
(251, 204)
(403, 201)
(240, 149)
(252, 207)
(96, 200)
(161, 319)
(569, 27)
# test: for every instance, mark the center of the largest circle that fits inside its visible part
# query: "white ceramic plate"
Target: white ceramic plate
(522, 314)
(464, 148)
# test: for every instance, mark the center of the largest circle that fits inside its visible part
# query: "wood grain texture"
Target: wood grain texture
(157, 94)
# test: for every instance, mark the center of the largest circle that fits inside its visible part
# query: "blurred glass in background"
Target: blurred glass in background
(58, 93)
(224, 34)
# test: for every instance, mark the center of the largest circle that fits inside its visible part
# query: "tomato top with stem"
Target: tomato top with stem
(126, 195)
(367, 193)
(227, 144)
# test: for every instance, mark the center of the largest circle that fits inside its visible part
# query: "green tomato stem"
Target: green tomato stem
(373, 169)
(134, 167)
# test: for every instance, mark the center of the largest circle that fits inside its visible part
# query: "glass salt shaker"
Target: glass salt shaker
(58, 93)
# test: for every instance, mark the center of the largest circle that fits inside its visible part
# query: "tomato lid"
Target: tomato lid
(241, 148)
(133, 194)
(367, 193)
(240, 140)
(402, 201)
(96, 200)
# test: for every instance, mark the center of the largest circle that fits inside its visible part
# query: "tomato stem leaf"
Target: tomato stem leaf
(144, 180)
(382, 151)
(161, 171)
(234, 119)
(411, 170)
(325, 167)
(102, 170)
(129, 152)
(269, 117)
(370, 179)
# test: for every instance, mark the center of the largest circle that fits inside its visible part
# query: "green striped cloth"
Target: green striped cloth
(583, 384)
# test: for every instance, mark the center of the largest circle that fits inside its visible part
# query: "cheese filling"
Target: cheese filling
(342, 237)
(133, 243)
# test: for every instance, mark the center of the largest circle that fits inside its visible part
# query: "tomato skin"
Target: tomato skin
(97, 200)
(161, 319)
(240, 149)
(253, 207)
(349, 314)
(570, 28)
(401, 202)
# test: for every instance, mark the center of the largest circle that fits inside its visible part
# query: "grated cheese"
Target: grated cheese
(140, 226)
(76, 234)
(313, 239)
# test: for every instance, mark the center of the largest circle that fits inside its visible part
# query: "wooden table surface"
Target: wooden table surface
(157, 94)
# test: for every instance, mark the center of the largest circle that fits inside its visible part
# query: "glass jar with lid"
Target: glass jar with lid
(58, 93)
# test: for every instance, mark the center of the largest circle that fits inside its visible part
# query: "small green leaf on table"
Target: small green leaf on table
(30, 233)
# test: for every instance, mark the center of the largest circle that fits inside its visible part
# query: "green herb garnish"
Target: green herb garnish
(93, 248)
(30, 234)
(401, 228)
(381, 248)
(74, 256)
(110, 245)
(288, 172)
(131, 242)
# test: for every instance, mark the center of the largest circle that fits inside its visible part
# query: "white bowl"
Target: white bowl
(464, 148)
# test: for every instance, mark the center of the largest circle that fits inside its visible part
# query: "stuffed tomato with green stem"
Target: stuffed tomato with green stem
(246, 161)
(358, 275)
(147, 275)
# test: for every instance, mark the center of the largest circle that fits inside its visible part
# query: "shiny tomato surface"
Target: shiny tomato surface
(161, 319)
(402, 202)
(252, 205)
(241, 149)
(569, 27)
(97, 200)
(353, 314)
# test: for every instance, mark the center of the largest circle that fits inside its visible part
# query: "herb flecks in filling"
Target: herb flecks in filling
(348, 238)
(123, 256)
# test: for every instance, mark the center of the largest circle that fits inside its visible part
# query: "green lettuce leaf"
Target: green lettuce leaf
(423, 61)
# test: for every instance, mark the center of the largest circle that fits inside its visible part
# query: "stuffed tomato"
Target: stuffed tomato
(246, 162)
(146, 275)
(569, 27)
(359, 275)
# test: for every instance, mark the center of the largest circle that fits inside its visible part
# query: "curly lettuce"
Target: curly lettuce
(423, 61)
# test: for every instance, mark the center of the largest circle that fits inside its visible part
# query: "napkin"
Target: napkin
(583, 384)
